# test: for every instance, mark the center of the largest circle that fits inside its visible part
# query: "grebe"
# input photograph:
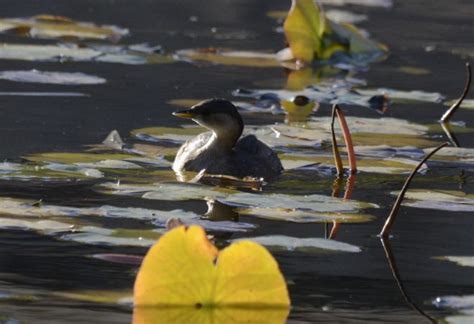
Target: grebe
(221, 150)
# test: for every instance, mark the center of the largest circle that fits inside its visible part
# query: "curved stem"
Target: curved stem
(335, 149)
(396, 275)
(450, 112)
(347, 139)
(396, 207)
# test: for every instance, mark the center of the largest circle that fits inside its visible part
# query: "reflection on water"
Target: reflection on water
(39, 268)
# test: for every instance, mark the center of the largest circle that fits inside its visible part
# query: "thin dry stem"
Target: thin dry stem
(347, 139)
(335, 149)
(450, 112)
(396, 207)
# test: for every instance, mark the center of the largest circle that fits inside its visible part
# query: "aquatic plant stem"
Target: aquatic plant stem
(450, 112)
(452, 138)
(396, 207)
(347, 139)
(396, 275)
(335, 149)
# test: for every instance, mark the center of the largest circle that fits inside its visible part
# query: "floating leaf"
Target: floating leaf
(367, 3)
(343, 16)
(440, 200)
(464, 304)
(35, 76)
(304, 216)
(376, 165)
(463, 261)
(174, 135)
(306, 244)
(62, 52)
(466, 103)
(318, 203)
(165, 191)
(46, 26)
(201, 284)
(50, 172)
(104, 236)
(70, 158)
(28, 208)
(405, 96)
(229, 57)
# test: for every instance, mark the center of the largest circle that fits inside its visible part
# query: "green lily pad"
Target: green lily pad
(282, 242)
(229, 57)
(447, 200)
(47, 26)
(304, 216)
(65, 78)
(54, 53)
(466, 103)
(71, 158)
(463, 261)
(49, 172)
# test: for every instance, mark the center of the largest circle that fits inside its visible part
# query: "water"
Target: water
(329, 287)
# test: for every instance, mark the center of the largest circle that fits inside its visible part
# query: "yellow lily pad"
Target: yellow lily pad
(184, 270)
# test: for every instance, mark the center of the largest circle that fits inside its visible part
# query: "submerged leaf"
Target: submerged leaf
(184, 269)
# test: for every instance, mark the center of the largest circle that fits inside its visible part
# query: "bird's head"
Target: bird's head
(217, 115)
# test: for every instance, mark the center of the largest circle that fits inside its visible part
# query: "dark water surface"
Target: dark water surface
(327, 287)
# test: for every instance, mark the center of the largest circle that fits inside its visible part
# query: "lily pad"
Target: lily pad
(35, 76)
(28, 209)
(304, 216)
(229, 57)
(63, 52)
(49, 172)
(405, 96)
(463, 261)
(463, 304)
(47, 26)
(466, 103)
(70, 158)
(302, 244)
(318, 203)
(366, 3)
(440, 200)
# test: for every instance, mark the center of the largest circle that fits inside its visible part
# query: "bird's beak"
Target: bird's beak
(184, 114)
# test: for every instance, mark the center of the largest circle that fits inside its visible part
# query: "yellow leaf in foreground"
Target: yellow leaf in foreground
(304, 27)
(185, 279)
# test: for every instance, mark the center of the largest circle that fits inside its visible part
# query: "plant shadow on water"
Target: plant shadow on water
(74, 220)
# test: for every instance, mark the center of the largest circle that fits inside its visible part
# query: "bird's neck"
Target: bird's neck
(225, 139)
